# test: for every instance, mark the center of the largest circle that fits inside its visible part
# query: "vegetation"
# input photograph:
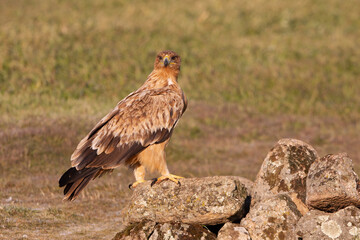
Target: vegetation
(254, 72)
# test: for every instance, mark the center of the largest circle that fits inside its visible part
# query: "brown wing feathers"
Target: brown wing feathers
(117, 138)
(76, 180)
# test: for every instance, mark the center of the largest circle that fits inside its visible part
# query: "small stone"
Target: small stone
(272, 218)
(208, 201)
(233, 231)
(331, 229)
(284, 170)
(354, 231)
(332, 183)
(336, 225)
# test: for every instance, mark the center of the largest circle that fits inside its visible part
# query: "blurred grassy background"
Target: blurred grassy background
(254, 72)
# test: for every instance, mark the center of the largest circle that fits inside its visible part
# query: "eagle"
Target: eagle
(135, 133)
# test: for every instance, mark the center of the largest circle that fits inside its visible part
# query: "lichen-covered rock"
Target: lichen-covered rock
(137, 231)
(209, 200)
(272, 218)
(249, 185)
(284, 170)
(233, 231)
(164, 231)
(332, 183)
(302, 207)
(342, 225)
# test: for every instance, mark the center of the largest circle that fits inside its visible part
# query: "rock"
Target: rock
(137, 231)
(284, 170)
(249, 185)
(209, 200)
(302, 207)
(332, 183)
(272, 218)
(233, 231)
(344, 225)
(159, 231)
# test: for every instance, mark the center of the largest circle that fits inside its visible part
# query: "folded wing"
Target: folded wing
(143, 118)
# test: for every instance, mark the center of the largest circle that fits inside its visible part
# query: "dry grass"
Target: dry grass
(254, 72)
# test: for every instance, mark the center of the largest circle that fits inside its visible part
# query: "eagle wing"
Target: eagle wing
(143, 118)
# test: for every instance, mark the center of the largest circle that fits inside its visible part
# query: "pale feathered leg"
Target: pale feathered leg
(139, 173)
(153, 158)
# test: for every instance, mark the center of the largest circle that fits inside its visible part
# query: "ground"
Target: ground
(254, 72)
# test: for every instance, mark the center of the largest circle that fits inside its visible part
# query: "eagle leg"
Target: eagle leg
(139, 172)
(170, 177)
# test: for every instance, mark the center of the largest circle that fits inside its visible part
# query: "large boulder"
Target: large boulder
(284, 170)
(332, 183)
(233, 231)
(342, 225)
(164, 231)
(209, 200)
(272, 218)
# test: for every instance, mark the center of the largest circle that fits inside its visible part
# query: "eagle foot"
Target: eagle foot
(170, 177)
(134, 185)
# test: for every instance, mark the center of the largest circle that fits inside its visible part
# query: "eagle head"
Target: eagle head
(167, 59)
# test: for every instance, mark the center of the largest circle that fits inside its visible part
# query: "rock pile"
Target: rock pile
(296, 195)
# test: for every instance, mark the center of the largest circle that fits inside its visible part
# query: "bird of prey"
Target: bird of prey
(135, 133)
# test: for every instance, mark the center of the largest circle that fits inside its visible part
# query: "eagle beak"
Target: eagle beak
(166, 60)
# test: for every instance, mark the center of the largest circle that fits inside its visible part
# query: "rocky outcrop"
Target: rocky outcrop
(160, 231)
(210, 200)
(233, 231)
(344, 224)
(284, 170)
(332, 183)
(272, 218)
(292, 180)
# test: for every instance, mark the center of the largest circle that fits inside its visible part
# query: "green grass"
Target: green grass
(253, 71)
(299, 58)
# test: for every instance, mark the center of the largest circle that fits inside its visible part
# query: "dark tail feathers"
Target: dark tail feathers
(75, 180)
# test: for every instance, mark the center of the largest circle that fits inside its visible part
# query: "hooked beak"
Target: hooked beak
(166, 60)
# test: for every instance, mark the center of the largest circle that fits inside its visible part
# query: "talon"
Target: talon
(170, 177)
(154, 180)
(134, 185)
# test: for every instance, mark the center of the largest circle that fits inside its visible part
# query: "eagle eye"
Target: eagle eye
(160, 57)
(173, 57)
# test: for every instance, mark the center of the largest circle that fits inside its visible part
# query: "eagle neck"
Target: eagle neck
(161, 79)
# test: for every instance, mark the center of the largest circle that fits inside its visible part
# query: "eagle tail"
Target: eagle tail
(75, 180)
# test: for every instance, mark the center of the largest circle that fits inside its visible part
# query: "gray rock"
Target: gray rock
(272, 218)
(164, 231)
(233, 231)
(209, 200)
(332, 183)
(342, 225)
(284, 170)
